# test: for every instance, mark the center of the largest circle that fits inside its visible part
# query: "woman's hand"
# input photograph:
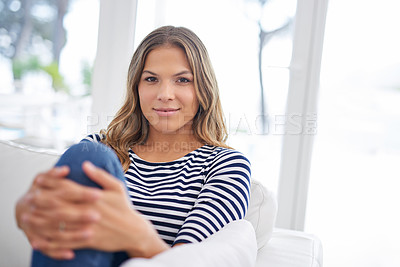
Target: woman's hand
(118, 226)
(121, 227)
(44, 209)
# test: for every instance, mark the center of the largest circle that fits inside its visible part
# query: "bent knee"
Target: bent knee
(97, 153)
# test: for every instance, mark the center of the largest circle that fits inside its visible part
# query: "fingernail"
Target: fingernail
(39, 180)
(94, 216)
(35, 245)
(25, 218)
(86, 234)
(89, 165)
(95, 193)
(69, 255)
(60, 169)
(29, 197)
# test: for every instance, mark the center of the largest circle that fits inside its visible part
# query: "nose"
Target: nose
(166, 92)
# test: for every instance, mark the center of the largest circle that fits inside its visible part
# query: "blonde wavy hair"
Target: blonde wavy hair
(130, 127)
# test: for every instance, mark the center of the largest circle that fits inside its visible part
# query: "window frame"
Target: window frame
(302, 99)
(115, 47)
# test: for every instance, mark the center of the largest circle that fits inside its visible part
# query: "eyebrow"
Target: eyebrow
(177, 74)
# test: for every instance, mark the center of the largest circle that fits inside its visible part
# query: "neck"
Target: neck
(184, 142)
(167, 147)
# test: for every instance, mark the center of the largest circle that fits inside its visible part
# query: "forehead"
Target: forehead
(167, 56)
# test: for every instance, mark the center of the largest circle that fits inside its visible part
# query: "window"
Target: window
(353, 196)
(46, 69)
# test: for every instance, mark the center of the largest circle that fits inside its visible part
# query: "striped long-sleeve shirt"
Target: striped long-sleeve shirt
(190, 198)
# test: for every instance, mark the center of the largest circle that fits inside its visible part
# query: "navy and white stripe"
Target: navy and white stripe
(190, 198)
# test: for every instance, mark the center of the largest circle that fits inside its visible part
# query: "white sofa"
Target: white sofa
(250, 242)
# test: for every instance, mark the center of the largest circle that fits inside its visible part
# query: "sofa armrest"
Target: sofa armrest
(18, 166)
(288, 248)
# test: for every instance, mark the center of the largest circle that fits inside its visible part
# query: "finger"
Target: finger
(60, 171)
(78, 193)
(70, 238)
(47, 179)
(36, 228)
(74, 215)
(59, 254)
(39, 225)
(64, 240)
(56, 172)
(39, 198)
(101, 177)
(69, 190)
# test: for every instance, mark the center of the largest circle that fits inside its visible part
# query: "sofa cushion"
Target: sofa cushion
(262, 212)
(289, 248)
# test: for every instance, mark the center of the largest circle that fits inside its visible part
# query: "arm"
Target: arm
(223, 198)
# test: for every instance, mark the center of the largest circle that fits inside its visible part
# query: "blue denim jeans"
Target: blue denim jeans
(102, 157)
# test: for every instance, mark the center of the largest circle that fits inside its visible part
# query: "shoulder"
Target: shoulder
(94, 137)
(228, 159)
(222, 154)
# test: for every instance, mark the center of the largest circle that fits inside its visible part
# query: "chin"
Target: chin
(173, 129)
(166, 129)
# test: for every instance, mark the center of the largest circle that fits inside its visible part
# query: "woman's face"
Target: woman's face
(166, 91)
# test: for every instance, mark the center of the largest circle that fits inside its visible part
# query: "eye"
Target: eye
(150, 79)
(183, 80)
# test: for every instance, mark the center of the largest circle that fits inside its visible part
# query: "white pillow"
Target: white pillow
(234, 245)
(262, 212)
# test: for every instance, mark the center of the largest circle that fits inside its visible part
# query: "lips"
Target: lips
(164, 112)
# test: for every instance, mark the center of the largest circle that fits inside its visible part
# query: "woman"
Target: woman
(182, 181)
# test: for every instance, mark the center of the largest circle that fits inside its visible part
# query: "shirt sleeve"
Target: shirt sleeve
(223, 198)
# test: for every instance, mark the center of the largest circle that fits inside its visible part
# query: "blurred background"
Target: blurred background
(47, 50)
(48, 85)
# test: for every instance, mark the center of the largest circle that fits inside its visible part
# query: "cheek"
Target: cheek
(195, 105)
(144, 97)
(191, 100)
